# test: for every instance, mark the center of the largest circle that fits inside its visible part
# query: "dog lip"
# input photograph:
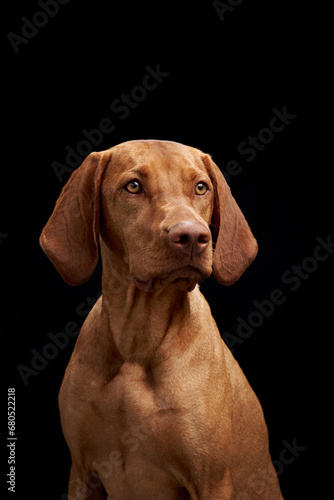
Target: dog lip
(182, 272)
(144, 285)
(187, 272)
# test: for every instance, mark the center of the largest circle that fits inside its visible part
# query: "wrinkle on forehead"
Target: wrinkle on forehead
(164, 162)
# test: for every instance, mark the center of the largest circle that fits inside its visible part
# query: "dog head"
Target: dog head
(151, 203)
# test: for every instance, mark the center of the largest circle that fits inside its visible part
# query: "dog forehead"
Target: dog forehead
(154, 155)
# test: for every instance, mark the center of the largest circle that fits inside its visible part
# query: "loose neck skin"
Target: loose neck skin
(138, 321)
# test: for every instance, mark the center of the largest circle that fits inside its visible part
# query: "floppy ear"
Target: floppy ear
(70, 237)
(236, 246)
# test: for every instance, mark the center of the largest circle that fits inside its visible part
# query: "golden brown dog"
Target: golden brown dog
(153, 405)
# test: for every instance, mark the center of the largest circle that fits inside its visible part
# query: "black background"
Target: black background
(224, 79)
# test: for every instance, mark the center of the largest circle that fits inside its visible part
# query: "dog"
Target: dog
(153, 405)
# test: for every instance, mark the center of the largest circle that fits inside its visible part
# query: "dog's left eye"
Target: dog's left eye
(133, 187)
(201, 188)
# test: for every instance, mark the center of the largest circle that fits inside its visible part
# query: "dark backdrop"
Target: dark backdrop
(222, 72)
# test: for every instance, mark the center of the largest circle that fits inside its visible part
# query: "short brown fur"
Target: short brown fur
(153, 405)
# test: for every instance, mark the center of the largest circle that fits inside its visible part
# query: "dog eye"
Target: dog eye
(201, 188)
(133, 187)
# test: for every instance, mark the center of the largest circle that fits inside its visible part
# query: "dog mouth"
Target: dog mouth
(185, 278)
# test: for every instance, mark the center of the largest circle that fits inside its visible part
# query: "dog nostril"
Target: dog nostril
(183, 239)
(204, 238)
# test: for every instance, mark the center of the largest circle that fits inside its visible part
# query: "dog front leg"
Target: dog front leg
(84, 486)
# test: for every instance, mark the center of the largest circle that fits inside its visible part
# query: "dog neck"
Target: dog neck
(139, 321)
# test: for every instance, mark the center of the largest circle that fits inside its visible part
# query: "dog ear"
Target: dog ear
(70, 237)
(235, 245)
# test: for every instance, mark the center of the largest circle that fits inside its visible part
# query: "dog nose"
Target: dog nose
(191, 238)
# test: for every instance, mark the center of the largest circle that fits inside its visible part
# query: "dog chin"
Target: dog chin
(184, 278)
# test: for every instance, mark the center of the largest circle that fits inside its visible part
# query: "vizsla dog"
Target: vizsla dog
(153, 405)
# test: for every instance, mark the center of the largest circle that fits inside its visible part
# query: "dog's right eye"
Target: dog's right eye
(133, 187)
